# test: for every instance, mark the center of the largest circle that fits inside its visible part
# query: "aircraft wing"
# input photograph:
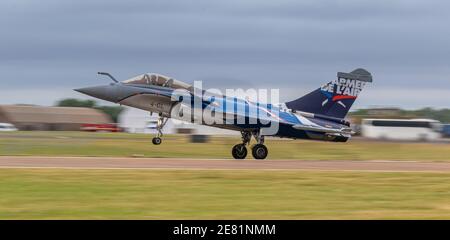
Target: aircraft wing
(323, 129)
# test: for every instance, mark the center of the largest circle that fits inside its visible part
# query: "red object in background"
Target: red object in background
(108, 127)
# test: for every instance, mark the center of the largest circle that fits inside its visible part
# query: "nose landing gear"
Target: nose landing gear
(159, 125)
(259, 150)
(156, 140)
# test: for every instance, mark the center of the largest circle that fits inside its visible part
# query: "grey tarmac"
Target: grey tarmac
(219, 164)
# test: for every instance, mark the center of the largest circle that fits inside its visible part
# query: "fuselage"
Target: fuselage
(181, 101)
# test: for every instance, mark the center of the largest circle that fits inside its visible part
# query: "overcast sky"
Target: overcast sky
(49, 47)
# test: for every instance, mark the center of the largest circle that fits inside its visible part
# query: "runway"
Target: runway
(218, 164)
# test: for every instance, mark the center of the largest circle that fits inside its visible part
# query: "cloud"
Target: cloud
(53, 44)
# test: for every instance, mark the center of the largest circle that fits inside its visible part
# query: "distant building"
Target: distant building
(134, 120)
(29, 117)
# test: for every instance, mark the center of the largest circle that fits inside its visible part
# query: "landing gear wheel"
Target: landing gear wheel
(259, 151)
(239, 151)
(156, 140)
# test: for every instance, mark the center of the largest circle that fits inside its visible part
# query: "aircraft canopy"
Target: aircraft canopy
(158, 80)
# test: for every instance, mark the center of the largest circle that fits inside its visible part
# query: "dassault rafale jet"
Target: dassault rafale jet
(319, 115)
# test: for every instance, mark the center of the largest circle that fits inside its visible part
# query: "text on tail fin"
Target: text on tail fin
(336, 97)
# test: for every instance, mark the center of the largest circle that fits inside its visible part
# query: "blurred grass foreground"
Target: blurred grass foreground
(217, 194)
(179, 146)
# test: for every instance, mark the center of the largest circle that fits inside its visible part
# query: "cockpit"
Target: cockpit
(158, 80)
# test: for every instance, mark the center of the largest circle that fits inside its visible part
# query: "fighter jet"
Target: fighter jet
(319, 115)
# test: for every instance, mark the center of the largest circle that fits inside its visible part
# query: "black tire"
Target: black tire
(239, 151)
(156, 140)
(259, 151)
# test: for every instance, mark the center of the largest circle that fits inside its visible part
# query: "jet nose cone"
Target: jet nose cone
(106, 92)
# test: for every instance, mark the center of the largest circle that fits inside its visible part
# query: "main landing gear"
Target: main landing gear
(159, 125)
(259, 150)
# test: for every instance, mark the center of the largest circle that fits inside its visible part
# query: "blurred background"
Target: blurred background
(50, 47)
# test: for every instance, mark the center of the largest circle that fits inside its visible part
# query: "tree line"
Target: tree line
(112, 111)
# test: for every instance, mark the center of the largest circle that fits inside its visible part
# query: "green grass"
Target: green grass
(122, 144)
(169, 194)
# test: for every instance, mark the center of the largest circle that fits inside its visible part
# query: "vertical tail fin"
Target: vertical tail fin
(335, 98)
